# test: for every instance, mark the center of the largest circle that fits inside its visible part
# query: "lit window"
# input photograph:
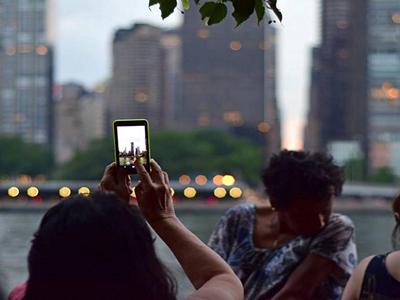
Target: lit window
(235, 45)
(41, 50)
(263, 127)
(396, 18)
(341, 24)
(141, 97)
(203, 33)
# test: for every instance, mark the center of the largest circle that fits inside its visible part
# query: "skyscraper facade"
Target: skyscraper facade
(228, 77)
(79, 119)
(355, 96)
(26, 70)
(384, 83)
(135, 90)
(338, 107)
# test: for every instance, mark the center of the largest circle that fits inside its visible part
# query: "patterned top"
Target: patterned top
(264, 271)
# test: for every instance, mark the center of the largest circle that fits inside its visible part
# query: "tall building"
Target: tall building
(26, 70)
(79, 119)
(384, 83)
(338, 107)
(355, 91)
(228, 78)
(137, 79)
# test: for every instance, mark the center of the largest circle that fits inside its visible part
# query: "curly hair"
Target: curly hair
(301, 175)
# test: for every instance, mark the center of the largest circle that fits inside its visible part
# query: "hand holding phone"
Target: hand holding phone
(131, 143)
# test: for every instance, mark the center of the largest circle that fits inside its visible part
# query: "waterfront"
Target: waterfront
(373, 230)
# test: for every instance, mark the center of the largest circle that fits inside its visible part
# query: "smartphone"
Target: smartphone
(131, 142)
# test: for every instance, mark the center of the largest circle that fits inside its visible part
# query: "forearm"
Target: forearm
(198, 261)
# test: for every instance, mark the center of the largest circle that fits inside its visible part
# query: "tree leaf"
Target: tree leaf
(219, 13)
(272, 5)
(260, 10)
(167, 7)
(243, 10)
(278, 13)
(153, 2)
(207, 9)
(185, 4)
(213, 13)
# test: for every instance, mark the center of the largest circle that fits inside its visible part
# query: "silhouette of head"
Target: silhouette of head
(301, 186)
(95, 247)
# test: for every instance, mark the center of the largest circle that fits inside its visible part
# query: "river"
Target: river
(373, 231)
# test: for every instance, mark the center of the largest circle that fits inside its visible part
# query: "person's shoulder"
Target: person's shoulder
(340, 221)
(245, 209)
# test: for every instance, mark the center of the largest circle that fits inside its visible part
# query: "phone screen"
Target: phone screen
(131, 143)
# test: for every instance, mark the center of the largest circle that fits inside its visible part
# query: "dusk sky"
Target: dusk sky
(84, 30)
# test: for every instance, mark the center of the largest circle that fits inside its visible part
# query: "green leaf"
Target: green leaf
(207, 9)
(278, 13)
(153, 2)
(213, 12)
(260, 10)
(185, 4)
(197, 2)
(167, 7)
(243, 10)
(218, 15)
(272, 5)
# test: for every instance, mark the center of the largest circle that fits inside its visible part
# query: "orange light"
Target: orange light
(228, 180)
(10, 51)
(220, 192)
(184, 179)
(84, 191)
(235, 45)
(263, 127)
(341, 24)
(33, 191)
(41, 50)
(141, 97)
(217, 179)
(235, 192)
(189, 192)
(396, 18)
(203, 33)
(393, 93)
(13, 192)
(64, 192)
(201, 180)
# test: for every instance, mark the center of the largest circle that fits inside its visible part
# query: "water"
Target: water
(373, 231)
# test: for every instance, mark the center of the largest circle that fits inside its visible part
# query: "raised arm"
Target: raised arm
(208, 272)
(213, 278)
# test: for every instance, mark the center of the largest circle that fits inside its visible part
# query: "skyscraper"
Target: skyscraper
(228, 77)
(356, 95)
(26, 70)
(384, 83)
(338, 106)
(79, 119)
(136, 86)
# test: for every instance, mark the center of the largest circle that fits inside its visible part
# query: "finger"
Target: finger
(143, 174)
(156, 172)
(121, 175)
(109, 168)
(166, 178)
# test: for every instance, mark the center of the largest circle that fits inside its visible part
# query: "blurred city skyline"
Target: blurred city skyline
(83, 34)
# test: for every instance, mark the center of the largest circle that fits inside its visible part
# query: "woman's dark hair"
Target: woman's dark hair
(95, 247)
(301, 175)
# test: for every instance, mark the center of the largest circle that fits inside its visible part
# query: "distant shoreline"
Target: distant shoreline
(188, 206)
